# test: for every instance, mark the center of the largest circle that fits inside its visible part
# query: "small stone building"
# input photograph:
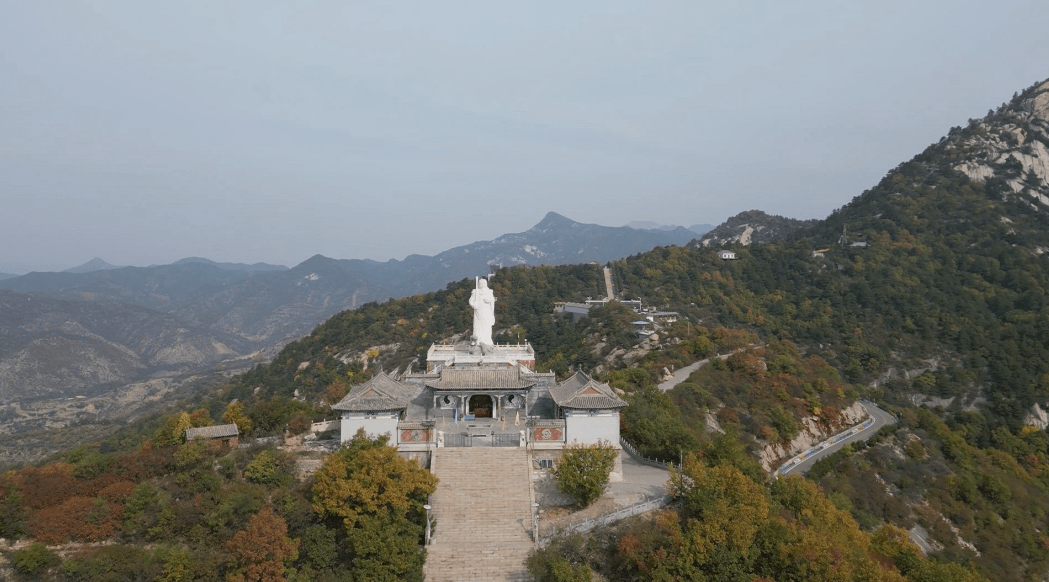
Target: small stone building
(226, 434)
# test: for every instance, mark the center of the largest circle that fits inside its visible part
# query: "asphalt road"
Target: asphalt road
(881, 418)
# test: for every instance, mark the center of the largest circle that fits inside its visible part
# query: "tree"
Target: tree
(725, 510)
(368, 477)
(386, 548)
(378, 496)
(555, 568)
(583, 471)
(319, 547)
(235, 414)
(173, 432)
(653, 424)
(262, 551)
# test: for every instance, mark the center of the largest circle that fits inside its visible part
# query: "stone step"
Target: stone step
(484, 517)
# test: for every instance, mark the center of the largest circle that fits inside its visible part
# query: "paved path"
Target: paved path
(640, 482)
(483, 509)
(682, 374)
(805, 460)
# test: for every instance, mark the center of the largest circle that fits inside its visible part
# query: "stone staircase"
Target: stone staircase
(484, 517)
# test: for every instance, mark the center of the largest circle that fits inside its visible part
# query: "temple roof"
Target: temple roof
(212, 432)
(582, 391)
(481, 378)
(379, 393)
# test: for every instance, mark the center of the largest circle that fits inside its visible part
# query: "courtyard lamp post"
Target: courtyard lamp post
(535, 522)
(429, 526)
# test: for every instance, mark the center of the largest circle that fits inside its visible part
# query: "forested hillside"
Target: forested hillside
(939, 312)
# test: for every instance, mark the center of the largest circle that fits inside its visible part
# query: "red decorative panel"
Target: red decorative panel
(546, 434)
(415, 435)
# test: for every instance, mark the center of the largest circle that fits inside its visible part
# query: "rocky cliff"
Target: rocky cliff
(752, 227)
(1009, 148)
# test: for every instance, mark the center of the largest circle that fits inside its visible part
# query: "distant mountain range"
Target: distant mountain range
(257, 267)
(95, 264)
(97, 325)
(649, 225)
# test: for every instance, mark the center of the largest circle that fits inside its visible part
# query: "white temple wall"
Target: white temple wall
(585, 429)
(373, 425)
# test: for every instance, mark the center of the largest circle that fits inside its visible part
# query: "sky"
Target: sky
(263, 131)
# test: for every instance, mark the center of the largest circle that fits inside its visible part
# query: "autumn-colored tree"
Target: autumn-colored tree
(724, 510)
(235, 414)
(173, 432)
(262, 552)
(336, 390)
(78, 518)
(299, 422)
(200, 417)
(366, 476)
(48, 485)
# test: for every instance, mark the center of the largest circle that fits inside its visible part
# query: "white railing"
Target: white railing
(629, 448)
(606, 519)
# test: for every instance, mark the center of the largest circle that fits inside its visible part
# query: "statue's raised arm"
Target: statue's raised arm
(482, 300)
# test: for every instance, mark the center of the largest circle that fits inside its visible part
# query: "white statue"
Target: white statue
(483, 303)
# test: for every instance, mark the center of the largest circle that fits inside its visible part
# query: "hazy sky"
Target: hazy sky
(145, 132)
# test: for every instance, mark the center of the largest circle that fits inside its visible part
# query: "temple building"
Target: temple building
(481, 394)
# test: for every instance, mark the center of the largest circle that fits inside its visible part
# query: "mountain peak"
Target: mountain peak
(753, 226)
(553, 220)
(231, 266)
(95, 264)
(1008, 149)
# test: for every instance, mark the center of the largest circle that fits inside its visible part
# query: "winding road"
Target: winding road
(803, 462)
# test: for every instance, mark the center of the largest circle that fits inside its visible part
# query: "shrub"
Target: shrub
(583, 471)
(34, 559)
(269, 468)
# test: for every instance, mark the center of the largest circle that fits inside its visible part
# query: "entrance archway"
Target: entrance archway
(481, 406)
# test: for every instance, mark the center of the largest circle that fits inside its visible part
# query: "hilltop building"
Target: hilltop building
(475, 394)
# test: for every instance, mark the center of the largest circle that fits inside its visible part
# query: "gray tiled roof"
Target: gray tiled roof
(582, 391)
(379, 393)
(212, 432)
(505, 378)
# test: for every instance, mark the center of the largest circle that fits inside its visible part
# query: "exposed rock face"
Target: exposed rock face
(810, 434)
(1037, 417)
(753, 227)
(1010, 145)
